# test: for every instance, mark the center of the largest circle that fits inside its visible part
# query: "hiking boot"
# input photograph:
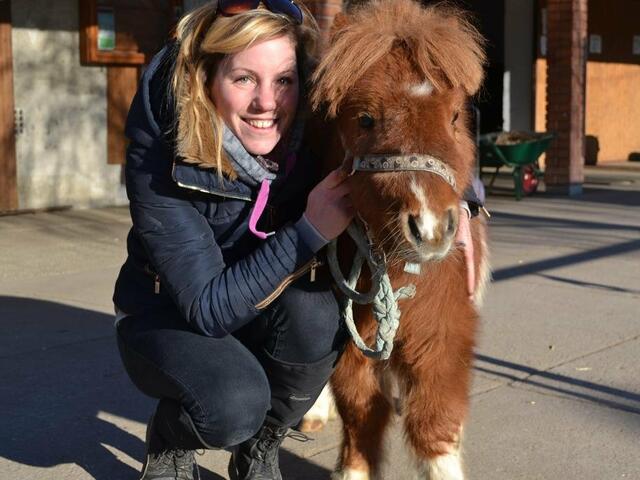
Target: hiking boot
(257, 458)
(165, 463)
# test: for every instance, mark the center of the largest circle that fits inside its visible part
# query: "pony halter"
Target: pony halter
(402, 163)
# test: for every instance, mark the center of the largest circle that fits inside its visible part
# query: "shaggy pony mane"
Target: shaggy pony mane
(445, 47)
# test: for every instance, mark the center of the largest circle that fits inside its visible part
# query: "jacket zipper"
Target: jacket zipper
(310, 267)
(156, 278)
(211, 192)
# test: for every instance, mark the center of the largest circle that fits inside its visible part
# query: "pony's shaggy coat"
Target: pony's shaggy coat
(449, 55)
(408, 71)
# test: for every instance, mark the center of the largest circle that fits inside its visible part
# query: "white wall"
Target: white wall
(518, 56)
(61, 154)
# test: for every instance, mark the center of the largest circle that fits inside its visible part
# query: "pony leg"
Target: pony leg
(447, 466)
(436, 443)
(322, 411)
(434, 415)
(365, 413)
(482, 264)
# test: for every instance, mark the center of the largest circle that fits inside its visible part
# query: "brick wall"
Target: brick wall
(324, 11)
(567, 36)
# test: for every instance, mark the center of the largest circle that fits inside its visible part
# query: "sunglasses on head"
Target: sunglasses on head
(286, 7)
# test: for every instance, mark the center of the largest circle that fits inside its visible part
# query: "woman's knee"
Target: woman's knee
(309, 325)
(218, 382)
(232, 413)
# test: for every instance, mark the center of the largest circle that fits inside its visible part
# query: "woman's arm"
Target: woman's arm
(213, 297)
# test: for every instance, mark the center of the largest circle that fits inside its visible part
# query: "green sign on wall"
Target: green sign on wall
(106, 29)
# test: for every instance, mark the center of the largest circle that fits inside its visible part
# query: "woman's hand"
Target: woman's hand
(329, 207)
(463, 238)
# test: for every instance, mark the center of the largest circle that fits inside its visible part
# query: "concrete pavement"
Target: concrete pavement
(557, 385)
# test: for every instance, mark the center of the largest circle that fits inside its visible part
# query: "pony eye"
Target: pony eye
(455, 117)
(366, 121)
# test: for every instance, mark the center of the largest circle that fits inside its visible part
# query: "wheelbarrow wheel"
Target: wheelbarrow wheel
(529, 180)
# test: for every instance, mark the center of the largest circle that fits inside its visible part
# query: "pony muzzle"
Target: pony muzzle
(430, 235)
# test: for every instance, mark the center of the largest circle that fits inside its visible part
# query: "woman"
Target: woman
(219, 229)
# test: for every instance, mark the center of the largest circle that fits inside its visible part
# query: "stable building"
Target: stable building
(69, 68)
(68, 71)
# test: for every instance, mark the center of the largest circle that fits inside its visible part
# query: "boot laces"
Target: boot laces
(298, 436)
(163, 458)
(184, 461)
(273, 436)
(269, 441)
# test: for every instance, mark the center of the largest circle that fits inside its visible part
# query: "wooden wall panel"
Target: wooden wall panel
(141, 27)
(8, 181)
(121, 87)
(612, 79)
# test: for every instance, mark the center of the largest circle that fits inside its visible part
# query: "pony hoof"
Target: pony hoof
(312, 425)
(445, 467)
(349, 474)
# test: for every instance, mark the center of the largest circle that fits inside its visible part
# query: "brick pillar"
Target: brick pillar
(324, 11)
(566, 66)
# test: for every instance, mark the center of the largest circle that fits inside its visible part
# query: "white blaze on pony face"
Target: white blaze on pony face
(426, 221)
(421, 89)
(429, 233)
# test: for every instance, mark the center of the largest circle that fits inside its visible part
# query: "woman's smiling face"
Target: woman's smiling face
(256, 92)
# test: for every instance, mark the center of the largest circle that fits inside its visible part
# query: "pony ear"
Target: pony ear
(340, 22)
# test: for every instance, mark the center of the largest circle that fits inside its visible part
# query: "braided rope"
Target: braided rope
(381, 295)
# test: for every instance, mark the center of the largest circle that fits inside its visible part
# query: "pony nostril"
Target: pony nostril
(415, 231)
(452, 222)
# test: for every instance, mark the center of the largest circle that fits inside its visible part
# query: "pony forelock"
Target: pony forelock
(446, 48)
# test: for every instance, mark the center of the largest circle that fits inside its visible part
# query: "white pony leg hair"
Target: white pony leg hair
(444, 467)
(484, 275)
(322, 411)
(350, 474)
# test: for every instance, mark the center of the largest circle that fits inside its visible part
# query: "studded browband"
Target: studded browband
(399, 163)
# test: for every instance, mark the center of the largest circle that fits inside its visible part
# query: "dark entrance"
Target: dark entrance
(489, 18)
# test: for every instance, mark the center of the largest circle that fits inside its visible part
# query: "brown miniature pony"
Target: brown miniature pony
(394, 82)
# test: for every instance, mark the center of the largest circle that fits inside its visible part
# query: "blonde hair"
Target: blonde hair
(204, 39)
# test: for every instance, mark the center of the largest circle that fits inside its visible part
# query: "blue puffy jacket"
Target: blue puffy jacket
(190, 248)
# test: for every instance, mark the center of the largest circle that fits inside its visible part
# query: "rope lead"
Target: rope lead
(381, 295)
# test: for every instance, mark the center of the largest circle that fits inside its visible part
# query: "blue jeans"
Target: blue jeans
(273, 368)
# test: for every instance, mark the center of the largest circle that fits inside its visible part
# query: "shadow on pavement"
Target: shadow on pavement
(594, 285)
(64, 396)
(297, 468)
(542, 221)
(626, 198)
(562, 384)
(596, 189)
(564, 260)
